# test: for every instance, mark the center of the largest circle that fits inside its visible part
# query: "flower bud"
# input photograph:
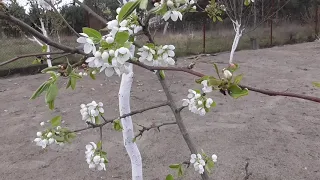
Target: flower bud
(109, 40)
(105, 55)
(227, 74)
(49, 135)
(111, 52)
(97, 54)
(42, 124)
(156, 4)
(39, 134)
(169, 3)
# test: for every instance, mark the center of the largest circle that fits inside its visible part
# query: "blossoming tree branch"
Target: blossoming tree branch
(115, 53)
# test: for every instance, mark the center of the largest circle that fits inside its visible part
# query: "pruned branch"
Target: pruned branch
(153, 126)
(106, 121)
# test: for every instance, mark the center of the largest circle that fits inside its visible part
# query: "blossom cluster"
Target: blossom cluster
(197, 103)
(111, 56)
(157, 55)
(199, 163)
(94, 157)
(174, 8)
(46, 138)
(91, 111)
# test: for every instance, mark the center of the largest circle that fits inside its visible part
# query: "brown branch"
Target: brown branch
(106, 121)
(179, 120)
(38, 35)
(28, 55)
(63, 55)
(63, 19)
(90, 11)
(266, 92)
(153, 126)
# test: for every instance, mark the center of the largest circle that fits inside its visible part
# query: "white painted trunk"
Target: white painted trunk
(236, 39)
(44, 32)
(128, 133)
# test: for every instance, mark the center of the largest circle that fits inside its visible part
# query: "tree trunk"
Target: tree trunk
(236, 39)
(127, 132)
(316, 19)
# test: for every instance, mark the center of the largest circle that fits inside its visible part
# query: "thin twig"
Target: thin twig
(106, 121)
(153, 126)
(28, 55)
(90, 11)
(246, 177)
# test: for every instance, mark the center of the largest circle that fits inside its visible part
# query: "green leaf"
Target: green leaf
(214, 82)
(238, 79)
(209, 165)
(127, 9)
(99, 145)
(93, 76)
(52, 92)
(143, 4)
(51, 105)
(316, 84)
(121, 37)
(162, 75)
(53, 68)
(44, 48)
(236, 91)
(247, 2)
(219, 18)
(180, 171)
(117, 125)
(56, 121)
(174, 166)
(73, 82)
(169, 177)
(201, 79)
(217, 70)
(69, 83)
(72, 135)
(44, 86)
(214, 18)
(92, 33)
(36, 61)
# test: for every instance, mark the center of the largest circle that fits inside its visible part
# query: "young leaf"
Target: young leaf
(92, 75)
(56, 121)
(162, 75)
(117, 125)
(316, 84)
(174, 166)
(44, 86)
(73, 82)
(99, 145)
(169, 177)
(36, 61)
(52, 93)
(217, 69)
(214, 82)
(121, 37)
(69, 83)
(238, 79)
(201, 79)
(247, 2)
(51, 105)
(44, 48)
(92, 33)
(180, 171)
(236, 91)
(233, 68)
(127, 9)
(143, 4)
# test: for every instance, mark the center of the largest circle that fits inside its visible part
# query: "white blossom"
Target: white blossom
(90, 111)
(49, 135)
(174, 15)
(146, 55)
(87, 42)
(214, 158)
(206, 88)
(42, 124)
(95, 61)
(197, 103)
(122, 55)
(198, 162)
(94, 161)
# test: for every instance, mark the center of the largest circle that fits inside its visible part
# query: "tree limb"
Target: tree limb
(190, 71)
(106, 121)
(29, 55)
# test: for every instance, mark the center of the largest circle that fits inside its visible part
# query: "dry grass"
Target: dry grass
(187, 43)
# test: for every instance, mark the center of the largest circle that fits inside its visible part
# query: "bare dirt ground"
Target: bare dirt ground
(279, 136)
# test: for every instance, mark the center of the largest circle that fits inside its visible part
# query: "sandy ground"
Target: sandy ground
(279, 136)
